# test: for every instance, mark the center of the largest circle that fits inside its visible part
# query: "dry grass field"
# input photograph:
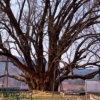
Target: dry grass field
(40, 95)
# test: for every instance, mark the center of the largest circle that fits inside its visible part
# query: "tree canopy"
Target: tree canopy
(52, 37)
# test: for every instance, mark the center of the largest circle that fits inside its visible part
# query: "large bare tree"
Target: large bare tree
(52, 37)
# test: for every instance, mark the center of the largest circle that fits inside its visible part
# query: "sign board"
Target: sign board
(92, 86)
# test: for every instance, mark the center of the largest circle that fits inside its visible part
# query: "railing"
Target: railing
(12, 93)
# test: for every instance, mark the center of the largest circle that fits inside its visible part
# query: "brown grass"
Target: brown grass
(55, 96)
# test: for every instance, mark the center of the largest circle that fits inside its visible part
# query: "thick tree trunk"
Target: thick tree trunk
(44, 86)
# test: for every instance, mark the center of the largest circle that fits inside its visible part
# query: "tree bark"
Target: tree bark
(43, 86)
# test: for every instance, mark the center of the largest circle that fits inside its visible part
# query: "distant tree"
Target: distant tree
(52, 37)
(81, 89)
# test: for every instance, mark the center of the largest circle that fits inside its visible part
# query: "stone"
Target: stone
(79, 99)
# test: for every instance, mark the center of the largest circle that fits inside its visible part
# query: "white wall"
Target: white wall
(92, 86)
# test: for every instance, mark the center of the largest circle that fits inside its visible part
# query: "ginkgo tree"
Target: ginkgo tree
(52, 38)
